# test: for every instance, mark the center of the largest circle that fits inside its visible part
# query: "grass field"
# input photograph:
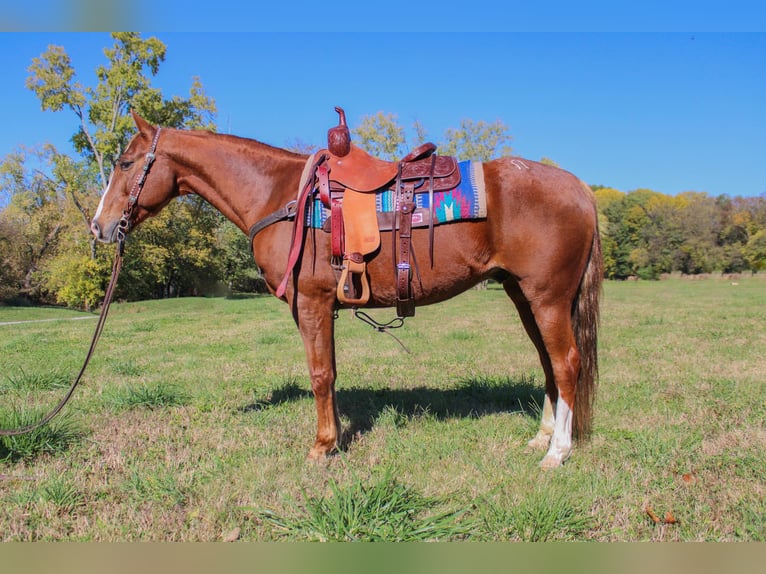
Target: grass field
(195, 418)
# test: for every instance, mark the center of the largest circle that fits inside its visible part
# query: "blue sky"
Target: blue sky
(669, 111)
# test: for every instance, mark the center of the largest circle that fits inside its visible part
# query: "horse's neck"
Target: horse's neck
(244, 179)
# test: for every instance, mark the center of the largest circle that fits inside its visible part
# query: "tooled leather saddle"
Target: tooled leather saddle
(348, 179)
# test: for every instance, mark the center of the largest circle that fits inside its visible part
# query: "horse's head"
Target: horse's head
(148, 179)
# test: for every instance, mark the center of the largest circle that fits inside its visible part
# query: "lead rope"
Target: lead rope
(96, 336)
(122, 229)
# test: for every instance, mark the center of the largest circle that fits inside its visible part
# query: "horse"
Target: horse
(540, 240)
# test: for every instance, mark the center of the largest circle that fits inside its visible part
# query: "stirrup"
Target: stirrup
(353, 266)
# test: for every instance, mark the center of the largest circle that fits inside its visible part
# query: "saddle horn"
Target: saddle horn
(339, 137)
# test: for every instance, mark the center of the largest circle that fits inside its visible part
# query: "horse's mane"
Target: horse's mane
(242, 142)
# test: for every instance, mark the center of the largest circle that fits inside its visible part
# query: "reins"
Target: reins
(96, 336)
(122, 229)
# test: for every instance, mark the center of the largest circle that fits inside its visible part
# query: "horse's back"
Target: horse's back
(520, 184)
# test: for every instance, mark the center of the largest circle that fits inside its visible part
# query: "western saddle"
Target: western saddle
(348, 179)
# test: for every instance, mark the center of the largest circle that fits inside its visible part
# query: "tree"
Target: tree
(124, 83)
(479, 141)
(381, 135)
(177, 253)
(755, 251)
(104, 127)
(34, 219)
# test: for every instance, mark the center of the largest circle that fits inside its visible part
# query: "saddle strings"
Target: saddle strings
(394, 323)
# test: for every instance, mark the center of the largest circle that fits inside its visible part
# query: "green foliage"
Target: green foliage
(63, 494)
(236, 260)
(146, 395)
(385, 511)
(381, 135)
(77, 280)
(22, 381)
(175, 253)
(53, 438)
(647, 234)
(537, 518)
(755, 251)
(33, 222)
(45, 242)
(477, 140)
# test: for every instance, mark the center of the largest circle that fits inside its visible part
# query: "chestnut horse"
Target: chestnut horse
(540, 240)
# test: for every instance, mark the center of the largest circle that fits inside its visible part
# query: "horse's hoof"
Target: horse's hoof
(318, 462)
(540, 442)
(320, 454)
(550, 462)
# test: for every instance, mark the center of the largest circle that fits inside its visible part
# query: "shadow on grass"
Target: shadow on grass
(471, 398)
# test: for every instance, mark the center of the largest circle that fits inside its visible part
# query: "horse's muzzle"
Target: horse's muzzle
(104, 234)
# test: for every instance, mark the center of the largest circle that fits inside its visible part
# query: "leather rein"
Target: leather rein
(123, 227)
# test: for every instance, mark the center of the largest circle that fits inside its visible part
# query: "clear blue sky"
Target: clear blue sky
(667, 111)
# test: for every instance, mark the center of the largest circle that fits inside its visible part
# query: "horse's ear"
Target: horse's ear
(144, 127)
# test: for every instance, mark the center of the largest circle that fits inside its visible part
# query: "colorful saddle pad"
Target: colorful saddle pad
(466, 201)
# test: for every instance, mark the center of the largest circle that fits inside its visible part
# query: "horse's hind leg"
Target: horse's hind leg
(550, 328)
(543, 437)
(555, 324)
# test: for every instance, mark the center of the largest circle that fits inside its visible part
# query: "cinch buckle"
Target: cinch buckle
(290, 208)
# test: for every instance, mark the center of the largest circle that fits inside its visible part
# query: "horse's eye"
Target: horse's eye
(124, 164)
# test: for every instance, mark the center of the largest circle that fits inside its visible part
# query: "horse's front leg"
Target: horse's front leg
(317, 327)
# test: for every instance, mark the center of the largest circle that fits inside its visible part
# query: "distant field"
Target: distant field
(195, 417)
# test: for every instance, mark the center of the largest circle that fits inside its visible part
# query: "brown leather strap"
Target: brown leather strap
(287, 212)
(337, 231)
(431, 207)
(405, 303)
(323, 177)
(333, 200)
(299, 227)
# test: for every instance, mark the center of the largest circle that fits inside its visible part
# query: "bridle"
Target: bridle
(123, 227)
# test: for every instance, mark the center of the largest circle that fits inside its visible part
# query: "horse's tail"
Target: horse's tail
(585, 321)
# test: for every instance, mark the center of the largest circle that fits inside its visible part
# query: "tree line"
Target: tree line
(647, 234)
(48, 255)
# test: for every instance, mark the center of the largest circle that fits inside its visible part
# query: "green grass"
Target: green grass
(22, 381)
(146, 395)
(385, 511)
(196, 415)
(54, 438)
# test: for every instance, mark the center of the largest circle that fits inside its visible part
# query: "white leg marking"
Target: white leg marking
(543, 436)
(561, 443)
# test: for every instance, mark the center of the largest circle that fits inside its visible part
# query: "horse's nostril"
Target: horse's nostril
(95, 228)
